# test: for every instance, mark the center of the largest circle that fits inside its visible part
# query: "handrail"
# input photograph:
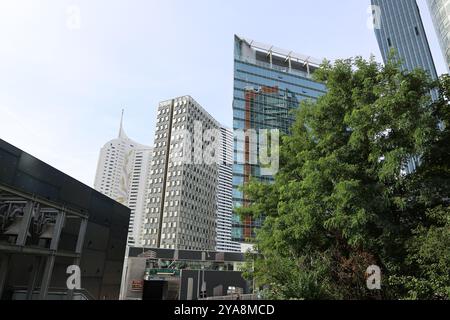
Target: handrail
(274, 67)
(58, 291)
(234, 297)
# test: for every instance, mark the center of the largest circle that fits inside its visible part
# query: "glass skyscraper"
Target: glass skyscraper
(401, 28)
(269, 83)
(440, 12)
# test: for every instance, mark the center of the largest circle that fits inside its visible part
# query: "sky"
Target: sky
(68, 68)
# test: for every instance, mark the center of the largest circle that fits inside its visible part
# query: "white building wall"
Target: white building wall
(181, 204)
(225, 195)
(122, 173)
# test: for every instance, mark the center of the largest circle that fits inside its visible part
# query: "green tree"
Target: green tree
(342, 200)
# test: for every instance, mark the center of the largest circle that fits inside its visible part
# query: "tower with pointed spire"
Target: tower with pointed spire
(122, 174)
(122, 134)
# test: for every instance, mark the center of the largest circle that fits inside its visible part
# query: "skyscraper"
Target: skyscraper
(440, 13)
(224, 241)
(401, 28)
(122, 174)
(269, 83)
(181, 201)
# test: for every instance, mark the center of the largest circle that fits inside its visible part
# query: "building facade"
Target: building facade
(401, 29)
(122, 175)
(224, 241)
(440, 13)
(166, 274)
(49, 222)
(181, 202)
(269, 83)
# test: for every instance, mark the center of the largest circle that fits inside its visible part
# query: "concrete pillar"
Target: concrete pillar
(123, 282)
(81, 236)
(190, 289)
(78, 250)
(48, 270)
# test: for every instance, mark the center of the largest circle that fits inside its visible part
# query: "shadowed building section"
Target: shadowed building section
(50, 221)
(166, 274)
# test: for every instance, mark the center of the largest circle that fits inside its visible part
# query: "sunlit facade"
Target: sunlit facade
(269, 83)
(122, 175)
(440, 13)
(401, 29)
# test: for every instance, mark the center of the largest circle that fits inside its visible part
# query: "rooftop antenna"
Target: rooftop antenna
(121, 125)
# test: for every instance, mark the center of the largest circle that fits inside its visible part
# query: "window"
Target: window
(389, 42)
(417, 31)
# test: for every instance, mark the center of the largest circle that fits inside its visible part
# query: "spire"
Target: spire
(121, 131)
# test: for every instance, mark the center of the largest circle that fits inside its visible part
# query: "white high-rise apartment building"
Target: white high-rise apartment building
(181, 204)
(122, 174)
(440, 13)
(225, 195)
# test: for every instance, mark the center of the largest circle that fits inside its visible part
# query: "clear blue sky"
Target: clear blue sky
(62, 89)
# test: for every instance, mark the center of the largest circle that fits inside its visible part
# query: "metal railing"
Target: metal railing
(274, 67)
(246, 297)
(21, 293)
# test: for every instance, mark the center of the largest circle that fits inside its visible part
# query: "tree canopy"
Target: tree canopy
(343, 199)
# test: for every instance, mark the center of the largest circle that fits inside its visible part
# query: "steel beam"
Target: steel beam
(36, 251)
(60, 218)
(81, 236)
(42, 201)
(37, 266)
(46, 277)
(25, 225)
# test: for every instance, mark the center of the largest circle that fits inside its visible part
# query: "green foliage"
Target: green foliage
(342, 201)
(429, 259)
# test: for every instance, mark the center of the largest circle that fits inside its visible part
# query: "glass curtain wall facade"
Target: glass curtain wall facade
(401, 28)
(269, 83)
(440, 13)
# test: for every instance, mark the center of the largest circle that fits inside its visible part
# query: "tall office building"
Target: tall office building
(181, 202)
(440, 13)
(122, 174)
(224, 241)
(401, 28)
(269, 83)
